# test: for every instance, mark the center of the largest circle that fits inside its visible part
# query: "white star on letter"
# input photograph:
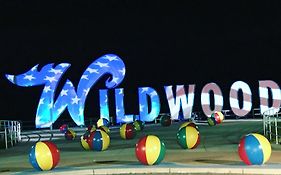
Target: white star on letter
(29, 77)
(110, 58)
(47, 88)
(141, 107)
(81, 111)
(63, 92)
(101, 64)
(75, 100)
(153, 94)
(117, 110)
(11, 77)
(122, 71)
(85, 77)
(86, 91)
(115, 79)
(69, 83)
(50, 79)
(56, 71)
(64, 64)
(144, 90)
(41, 101)
(92, 70)
(120, 91)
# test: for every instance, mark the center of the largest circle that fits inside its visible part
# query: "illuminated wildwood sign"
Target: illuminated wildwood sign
(48, 110)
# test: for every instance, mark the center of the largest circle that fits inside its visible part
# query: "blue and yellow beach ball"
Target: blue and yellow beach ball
(98, 140)
(102, 122)
(254, 149)
(150, 150)
(44, 155)
(188, 137)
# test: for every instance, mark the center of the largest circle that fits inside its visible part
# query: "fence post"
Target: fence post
(6, 140)
(276, 131)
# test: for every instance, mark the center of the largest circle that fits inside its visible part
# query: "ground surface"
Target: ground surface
(218, 146)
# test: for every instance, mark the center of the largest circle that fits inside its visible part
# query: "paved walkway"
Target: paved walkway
(165, 168)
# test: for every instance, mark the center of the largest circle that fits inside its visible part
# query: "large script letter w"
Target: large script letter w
(49, 111)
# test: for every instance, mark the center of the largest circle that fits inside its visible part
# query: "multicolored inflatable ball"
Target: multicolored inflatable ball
(102, 122)
(98, 140)
(215, 119)
(211, 121)
(219, 117)
(165, 120)
(254, 149)
(188, 137)
(150, 150)
(91, 128)
(84, 143)
(63, 128)
(188, 124)
(127, 131)
(70, 134)
(105, 129)
(139, 125)
(44, 156)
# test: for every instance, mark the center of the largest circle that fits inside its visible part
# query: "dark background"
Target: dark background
(161, 42)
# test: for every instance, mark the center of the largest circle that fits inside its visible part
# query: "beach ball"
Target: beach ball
(150, 150)
(105, 129)
(139, 125)
(63, 128)
(165, 120)
(127, 131)
(218, 116)
(98, 140)
(254, 149)
(188, 124)
(84, 143)
(91, 128)
(188, 137)
(70, 134)
(102, 122)
(44, 155)
(211, 121)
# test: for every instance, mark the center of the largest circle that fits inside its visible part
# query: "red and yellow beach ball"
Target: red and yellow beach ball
(150, 150)
(188, 137)
(254, 149)
(127, 131)
(44, 155)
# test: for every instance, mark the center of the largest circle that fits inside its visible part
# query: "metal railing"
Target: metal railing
(271, 118)
(10, 132)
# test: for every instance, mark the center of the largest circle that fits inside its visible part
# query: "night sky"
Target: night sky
(161, 42)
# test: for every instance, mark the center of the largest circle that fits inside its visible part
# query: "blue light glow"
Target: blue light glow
(48, 111)
(144, 93)
(104, 110)
(121, 117)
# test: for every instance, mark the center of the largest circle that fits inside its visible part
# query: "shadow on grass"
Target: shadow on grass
(219, 162)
